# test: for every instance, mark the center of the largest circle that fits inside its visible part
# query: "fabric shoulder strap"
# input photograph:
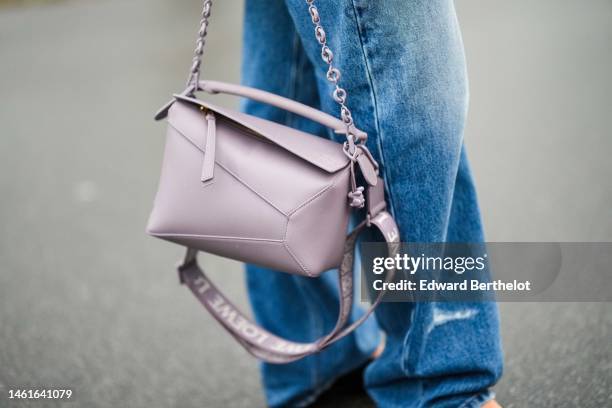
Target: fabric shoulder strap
(265, 345)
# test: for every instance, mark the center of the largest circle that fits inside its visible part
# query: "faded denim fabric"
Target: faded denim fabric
(403, 66)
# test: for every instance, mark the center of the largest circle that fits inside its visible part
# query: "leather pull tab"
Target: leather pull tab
(208, 167)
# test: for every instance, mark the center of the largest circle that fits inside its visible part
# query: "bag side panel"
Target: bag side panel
(316, 231)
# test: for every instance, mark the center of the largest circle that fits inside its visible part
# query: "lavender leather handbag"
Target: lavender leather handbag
(256, 191)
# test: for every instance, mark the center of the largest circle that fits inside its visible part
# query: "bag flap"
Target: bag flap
(323, 153)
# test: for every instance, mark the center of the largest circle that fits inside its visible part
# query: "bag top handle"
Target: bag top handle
(305, 111)
(215, 87)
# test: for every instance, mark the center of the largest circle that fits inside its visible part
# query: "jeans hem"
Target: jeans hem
(477, 400)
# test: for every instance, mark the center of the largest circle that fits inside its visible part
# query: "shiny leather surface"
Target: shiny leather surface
(278, 197)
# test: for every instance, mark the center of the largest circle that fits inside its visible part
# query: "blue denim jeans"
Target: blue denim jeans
(403, 67)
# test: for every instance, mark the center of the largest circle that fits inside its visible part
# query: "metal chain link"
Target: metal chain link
(194, 72)
(333, 75)
(350, 147)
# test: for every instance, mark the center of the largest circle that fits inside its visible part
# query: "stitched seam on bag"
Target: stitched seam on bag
(310, 200)
(291, 253)
(297, 260)
(231, 173)
(190, 140)
(170, 234)
(252, 189)
(316, 195)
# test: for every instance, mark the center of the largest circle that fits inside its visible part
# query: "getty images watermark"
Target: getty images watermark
(451, 264)
(503, 271)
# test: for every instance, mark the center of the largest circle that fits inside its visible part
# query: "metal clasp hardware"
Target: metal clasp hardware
(356, 198)
(346, 149)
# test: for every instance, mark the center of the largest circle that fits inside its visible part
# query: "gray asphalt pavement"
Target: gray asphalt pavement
(88, 302)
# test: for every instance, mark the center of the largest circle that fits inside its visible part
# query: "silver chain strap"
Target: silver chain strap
(356, 196)
(333, 75)
(194, 72)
